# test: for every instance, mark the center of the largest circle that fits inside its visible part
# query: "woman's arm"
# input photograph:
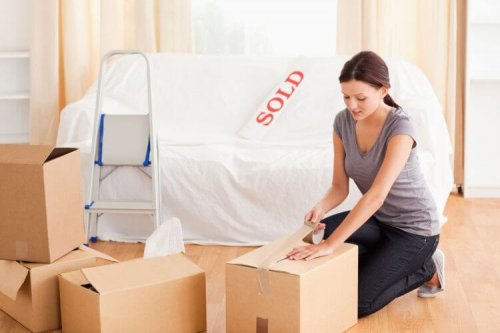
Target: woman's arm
(398, 150)
(339, 189)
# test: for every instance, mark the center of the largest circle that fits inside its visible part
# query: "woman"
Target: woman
(395, 223)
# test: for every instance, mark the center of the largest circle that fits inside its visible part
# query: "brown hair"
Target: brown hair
(368, 67)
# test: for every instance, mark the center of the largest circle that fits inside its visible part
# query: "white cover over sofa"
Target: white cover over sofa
(234, 190)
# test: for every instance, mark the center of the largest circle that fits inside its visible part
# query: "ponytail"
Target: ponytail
(389, 101)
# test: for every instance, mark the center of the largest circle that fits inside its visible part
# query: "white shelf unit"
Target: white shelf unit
(17, 96)
(482, 111)
(15, 43)
(15, 55)
(14, 97)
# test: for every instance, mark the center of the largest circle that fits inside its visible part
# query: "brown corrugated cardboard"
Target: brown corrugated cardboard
(160, 294)
(41, 202)
(313, 296)
(30, 293)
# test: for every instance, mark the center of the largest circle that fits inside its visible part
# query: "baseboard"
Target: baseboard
(481, 192)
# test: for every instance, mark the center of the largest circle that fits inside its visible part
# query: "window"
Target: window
(265, 27)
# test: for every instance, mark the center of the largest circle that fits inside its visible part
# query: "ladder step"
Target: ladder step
(130, 207)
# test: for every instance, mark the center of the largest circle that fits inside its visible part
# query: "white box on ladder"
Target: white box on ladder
(122, 140)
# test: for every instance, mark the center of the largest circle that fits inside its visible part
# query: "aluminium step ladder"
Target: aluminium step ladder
(122, 140)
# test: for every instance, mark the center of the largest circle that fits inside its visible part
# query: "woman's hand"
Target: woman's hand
(310, 251)
(316, 214)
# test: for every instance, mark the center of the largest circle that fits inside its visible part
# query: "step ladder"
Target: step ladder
(122, 140)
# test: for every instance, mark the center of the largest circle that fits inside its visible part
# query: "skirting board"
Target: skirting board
(481, 192)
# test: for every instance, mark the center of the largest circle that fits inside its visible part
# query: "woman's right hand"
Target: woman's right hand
(316, 214)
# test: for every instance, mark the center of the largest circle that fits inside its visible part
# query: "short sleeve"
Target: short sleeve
(403, 126)
(339, 123)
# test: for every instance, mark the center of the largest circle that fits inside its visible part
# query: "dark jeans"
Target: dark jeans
(392, 262)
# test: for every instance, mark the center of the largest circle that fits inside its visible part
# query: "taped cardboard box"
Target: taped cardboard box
(160, 294)
(41, 203)
(313, 296)
(30, 292)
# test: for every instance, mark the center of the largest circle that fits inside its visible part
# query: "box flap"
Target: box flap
(97, 254)
(24, 154)
(140, 272)
(58, 152)
(296, 267)
(12, 277)
(82, 252)
(75, 277)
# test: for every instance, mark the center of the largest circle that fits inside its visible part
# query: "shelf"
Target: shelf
(14, 138)
(10, 97)
(481, 75)
(485, 22)
(484, 78)
(15, 55)
(488, 82)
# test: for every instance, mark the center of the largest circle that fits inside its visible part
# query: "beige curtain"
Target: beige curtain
(70, 36)
(423, 32)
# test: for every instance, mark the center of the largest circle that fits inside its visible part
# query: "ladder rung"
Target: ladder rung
(130, 207)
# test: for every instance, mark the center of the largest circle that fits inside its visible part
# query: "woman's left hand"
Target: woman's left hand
(310, 251)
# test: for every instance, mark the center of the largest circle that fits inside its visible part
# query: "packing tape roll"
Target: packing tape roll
(314, 237)
(305, 233)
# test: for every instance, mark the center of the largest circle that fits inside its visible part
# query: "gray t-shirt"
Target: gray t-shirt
(409, 205)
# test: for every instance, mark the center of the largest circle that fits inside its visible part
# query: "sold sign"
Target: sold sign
(265, 118)
(280, 98)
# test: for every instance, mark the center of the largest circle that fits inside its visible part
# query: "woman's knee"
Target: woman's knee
(364, 311)
(332, 222)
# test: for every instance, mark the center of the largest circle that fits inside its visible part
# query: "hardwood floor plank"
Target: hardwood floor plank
(487, 317)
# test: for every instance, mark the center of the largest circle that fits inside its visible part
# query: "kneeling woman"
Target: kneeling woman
(395, 223)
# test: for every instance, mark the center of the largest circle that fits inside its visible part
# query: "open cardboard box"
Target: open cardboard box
(160, 294)
(41, 202)
(292, 296)
(30, 293)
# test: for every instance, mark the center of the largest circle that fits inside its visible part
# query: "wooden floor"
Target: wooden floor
(471, 302)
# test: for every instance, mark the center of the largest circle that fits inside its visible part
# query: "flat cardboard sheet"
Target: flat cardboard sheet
(139, 272)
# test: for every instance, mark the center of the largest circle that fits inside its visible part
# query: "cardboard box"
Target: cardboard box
(41, 203)
(315, 296)
(160, 294)
(30, 292)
